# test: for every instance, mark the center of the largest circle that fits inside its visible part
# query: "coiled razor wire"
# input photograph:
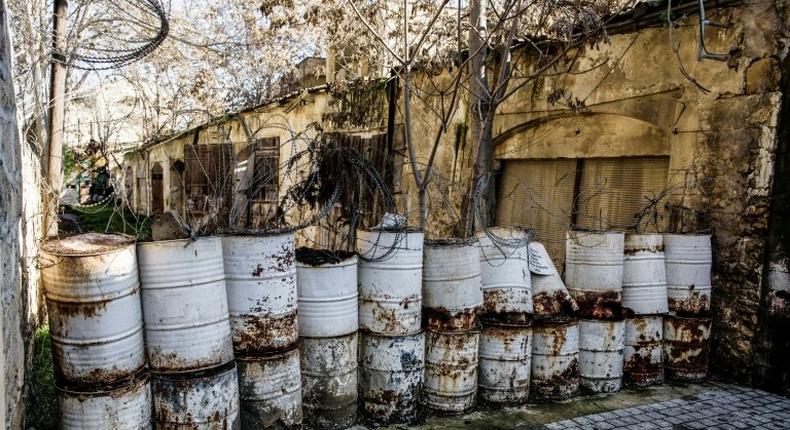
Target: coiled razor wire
(106, 57)
(507, 246)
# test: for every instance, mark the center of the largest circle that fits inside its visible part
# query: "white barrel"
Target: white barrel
(505, 362)
(688, 264)
(390, 377)
(644, 275)
(450, 380)
(601, 345)
(209, 400)
(185, 307)
(328, 304)
(505, 271)
(555, 361)
(260, 274)
(451, 285)
(125, 407)
(550, 296)
(643, 359)
(271, 391)
(594, 272)
(329, 381)
(95, 316)
(390, 281)
(686, 347)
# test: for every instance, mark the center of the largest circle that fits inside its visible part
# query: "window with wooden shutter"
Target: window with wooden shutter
(208, 172)
(266, 167)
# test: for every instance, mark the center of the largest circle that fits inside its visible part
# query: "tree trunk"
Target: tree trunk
(479, 98)
(54, 155)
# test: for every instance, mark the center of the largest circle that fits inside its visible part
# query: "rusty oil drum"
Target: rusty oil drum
(601, 344)
(451, 284)
(594, 272)
(205, 400)
(329, 380)
(450, 378)
(689, 259)
(643, 354)
(328, 298)
(93, 297)
(505, 272)
(644, 275)
(390, 377)
(390, 281)
(122, 407)
(555, 360)
(270, 389)
(185, 307)
(505, 362)
(260, 275)
(686, 347)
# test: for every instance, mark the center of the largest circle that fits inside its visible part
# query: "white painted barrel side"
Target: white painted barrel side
(95, 314)
(555, 361)
(390, 376)
(329, 380)
(594, 261)
(207, 402)
(328, 304)
(124, 408)
(644, 274)
(549, 294)
(390, 289)
(505, 272)
(601, 345)
(450, 379)
(688, 265)
(185, 306)
(451, 277)
(271, 391)
(686, 347)
(260, 275)
(505, 362)
(643, 355)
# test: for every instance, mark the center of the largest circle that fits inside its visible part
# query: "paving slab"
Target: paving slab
(707, 405)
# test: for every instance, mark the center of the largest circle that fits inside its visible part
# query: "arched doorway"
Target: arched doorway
(157, 190)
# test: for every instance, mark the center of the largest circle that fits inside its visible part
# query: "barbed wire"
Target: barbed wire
(141, 16)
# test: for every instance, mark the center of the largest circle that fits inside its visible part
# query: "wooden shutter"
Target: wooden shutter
(538, 194)
(612, 191)
(608, 194)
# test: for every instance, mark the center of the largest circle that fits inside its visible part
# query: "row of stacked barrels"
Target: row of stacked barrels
(644, 302)
(408, 323)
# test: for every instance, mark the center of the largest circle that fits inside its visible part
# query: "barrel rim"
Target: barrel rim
(276, 355)
(345, 259)
(140, 378)
(450, 242)
(406, 229)
(254, 233)
(149, 243)
(48, 245)
(491, 322)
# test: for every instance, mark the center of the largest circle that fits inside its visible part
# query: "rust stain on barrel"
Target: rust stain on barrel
(696, 304)
(441, 319)
(605, 305)
(261, 335)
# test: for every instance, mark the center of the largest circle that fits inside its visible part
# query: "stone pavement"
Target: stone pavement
(726, 408)
(709, 405)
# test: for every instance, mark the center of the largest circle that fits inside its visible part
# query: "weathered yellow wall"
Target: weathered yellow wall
(721, 142)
